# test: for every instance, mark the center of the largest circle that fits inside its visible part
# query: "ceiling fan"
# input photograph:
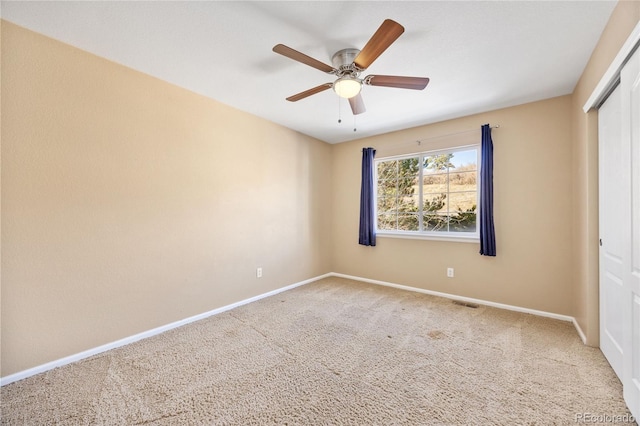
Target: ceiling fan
(349, 63)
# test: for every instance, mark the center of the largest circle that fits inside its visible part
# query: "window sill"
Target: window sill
(413, 236)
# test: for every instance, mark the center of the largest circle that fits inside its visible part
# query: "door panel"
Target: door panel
(630, 84)
(612, 196)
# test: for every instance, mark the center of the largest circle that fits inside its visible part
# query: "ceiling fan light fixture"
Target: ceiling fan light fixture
(347, 86)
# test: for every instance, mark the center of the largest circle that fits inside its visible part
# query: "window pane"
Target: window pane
(433, 203)
(408, 191)
(388, 182)
(387, 188)
(387, 203)
(408, 178)
(408, 222)
(387, 169)
(462, 181)
(463, 222)
(408, 204)
(463, 212)
(387, 222)
(464, 159)
(434, 183)
(408, 168)
(398, 194)
(462, 201)
(437, 163)
(435, 222)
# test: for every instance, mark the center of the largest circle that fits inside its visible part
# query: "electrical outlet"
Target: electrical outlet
(259, 273)
(450, 272)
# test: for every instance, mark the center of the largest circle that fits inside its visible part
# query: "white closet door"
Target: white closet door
(630, 87)
(613, 193)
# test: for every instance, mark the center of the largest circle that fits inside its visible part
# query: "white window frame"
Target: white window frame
(467, 237)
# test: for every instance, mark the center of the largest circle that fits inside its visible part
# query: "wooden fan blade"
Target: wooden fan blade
(309, 92)
(388, 32)
(415, 83)
(301, 57)
(357, 104)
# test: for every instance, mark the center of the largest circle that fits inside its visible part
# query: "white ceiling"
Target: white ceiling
(479, 55)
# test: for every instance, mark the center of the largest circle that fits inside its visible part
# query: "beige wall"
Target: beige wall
(129, 203)
(532, 182)
(624, 18)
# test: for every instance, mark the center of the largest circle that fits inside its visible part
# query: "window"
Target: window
(431, 194)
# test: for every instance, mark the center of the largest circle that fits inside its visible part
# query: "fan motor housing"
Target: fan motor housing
(342, 60)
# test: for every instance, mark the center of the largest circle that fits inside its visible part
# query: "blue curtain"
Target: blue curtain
(367, 213)
(487, 231)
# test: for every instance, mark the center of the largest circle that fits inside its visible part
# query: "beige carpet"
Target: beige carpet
(334, 352)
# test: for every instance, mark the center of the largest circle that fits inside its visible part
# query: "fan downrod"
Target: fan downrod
(342, 61)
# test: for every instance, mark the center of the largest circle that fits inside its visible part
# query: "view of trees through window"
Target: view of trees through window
(428, 192)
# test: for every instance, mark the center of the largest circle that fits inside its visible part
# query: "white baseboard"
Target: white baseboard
(131, 339)
(580, 332)
(465, 299)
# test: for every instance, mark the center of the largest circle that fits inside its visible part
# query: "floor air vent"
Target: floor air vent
(466, 304)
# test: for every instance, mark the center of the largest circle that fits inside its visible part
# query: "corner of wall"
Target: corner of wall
(584, 135)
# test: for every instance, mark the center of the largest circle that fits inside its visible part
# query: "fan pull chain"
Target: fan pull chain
(354, 123)
(339, 111)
